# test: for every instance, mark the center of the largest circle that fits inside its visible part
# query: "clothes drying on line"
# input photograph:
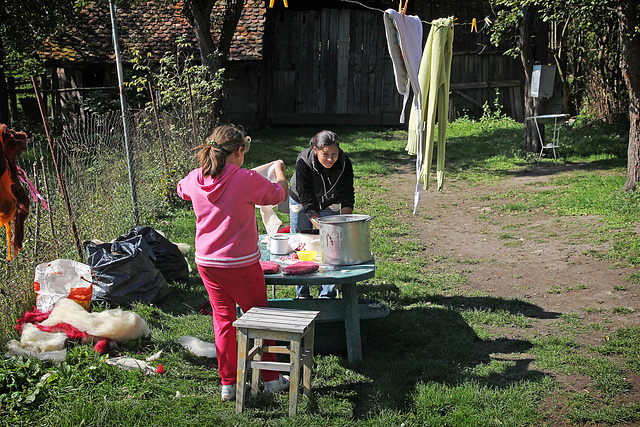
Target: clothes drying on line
(434, 80)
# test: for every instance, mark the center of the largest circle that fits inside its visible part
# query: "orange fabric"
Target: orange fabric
(14, 201)
(8, 204)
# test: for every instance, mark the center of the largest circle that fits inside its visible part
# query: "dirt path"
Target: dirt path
(533, 256)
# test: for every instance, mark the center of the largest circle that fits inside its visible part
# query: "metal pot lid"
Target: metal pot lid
(336, 219)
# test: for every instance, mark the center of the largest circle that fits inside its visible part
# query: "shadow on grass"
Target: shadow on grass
(434, 345)
(485, 142)
(185, 298)
(513, 306)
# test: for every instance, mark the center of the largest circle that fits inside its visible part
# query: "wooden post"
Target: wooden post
(193, 118)
(63, 188)
(46, 189)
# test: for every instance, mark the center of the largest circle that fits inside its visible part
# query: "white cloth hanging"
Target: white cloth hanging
(404, 40)
(269, 218)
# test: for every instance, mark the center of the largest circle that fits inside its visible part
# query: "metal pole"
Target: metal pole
(123, 106)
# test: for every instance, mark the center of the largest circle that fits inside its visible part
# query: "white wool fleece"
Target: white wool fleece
(116, 324)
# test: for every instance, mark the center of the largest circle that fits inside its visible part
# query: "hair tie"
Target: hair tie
(214, 145)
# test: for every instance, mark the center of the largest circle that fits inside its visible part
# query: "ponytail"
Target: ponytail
(212, 155)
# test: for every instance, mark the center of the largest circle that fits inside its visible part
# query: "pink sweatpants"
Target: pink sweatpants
(226, 287)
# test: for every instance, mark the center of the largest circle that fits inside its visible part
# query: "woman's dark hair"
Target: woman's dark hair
(324, 139)
(212, 155)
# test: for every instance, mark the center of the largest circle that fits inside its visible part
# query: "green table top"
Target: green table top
(334, 274)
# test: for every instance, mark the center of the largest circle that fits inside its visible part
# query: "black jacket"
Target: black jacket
(315, 187)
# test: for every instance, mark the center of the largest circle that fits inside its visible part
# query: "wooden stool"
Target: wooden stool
(294, 326)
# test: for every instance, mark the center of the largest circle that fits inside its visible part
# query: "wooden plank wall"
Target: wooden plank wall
(475, 77)
(332, 66)
(329, 66)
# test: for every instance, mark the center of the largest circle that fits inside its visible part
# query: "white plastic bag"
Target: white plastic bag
(197, 346)
(62, 278)
(271, 221)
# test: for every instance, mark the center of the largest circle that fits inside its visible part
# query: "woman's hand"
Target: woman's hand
(279, 164)
(314, 221)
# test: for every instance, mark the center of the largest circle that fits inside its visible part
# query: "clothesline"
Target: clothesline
(474, 23)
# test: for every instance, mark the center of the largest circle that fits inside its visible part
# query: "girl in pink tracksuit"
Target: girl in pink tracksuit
(227, 253)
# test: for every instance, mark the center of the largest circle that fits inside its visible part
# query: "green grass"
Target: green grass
(440, 358)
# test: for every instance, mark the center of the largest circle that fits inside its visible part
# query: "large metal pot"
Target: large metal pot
(345, 239)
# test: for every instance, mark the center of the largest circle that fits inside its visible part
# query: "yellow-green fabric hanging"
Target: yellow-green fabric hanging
(434, 76)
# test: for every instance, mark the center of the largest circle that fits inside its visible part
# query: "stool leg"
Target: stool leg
(308, 360)
(294, 373)
(255, 372)
(241, 373)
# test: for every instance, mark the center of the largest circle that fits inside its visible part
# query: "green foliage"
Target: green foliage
(184, 88)
(586, 44)
(25, 383)
(24, 25)
(496, 114)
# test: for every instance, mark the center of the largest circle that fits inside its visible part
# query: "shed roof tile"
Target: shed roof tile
(152, 27)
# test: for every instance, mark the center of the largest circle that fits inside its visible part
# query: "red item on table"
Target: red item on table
(285, 230)
(301, 267)
(269, 267)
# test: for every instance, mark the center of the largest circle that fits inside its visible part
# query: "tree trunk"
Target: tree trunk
(630, 65)
(198, 13)
(533, 44)
(214, 56)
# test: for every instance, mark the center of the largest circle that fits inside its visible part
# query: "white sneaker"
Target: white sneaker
(275, 386)
(228, 393)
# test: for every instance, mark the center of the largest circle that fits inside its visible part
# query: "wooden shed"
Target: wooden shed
(321, 62)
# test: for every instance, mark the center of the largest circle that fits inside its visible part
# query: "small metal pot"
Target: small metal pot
(345, 239)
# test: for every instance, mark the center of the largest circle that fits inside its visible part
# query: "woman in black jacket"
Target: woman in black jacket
(322, 185)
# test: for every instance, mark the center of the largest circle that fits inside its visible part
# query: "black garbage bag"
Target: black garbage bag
(168, 258)
(125, 272)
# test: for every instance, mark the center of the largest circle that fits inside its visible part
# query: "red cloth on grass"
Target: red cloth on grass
(35, 316)
(71, 331)
(102, 346)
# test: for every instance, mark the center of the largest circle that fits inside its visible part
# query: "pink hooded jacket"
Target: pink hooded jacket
(226, 229)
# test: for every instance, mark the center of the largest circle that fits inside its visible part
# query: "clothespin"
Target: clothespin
(286, 4)
(403, 9)
(487, 22)
(474, 25)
